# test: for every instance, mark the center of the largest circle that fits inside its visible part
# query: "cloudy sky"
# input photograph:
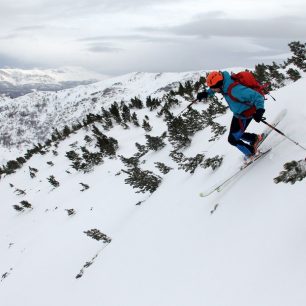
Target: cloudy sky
(120, 36)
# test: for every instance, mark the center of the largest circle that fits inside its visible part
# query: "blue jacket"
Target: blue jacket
(247, 96)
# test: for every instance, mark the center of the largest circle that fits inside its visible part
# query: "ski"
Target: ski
(220, 186)
(265, 134)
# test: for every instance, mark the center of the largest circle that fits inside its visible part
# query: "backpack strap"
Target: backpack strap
(229, 92)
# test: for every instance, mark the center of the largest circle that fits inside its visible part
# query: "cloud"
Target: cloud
(131, 38)
(30, 28)
(13, 62)
(148, 35)
(206, 26)
(102, 48)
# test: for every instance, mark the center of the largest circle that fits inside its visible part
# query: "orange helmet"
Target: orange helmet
(213, 78)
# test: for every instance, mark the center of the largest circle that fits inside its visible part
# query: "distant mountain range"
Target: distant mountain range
(31, 119)
(18, 82)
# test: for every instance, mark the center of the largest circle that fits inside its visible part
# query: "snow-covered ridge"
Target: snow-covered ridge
(16, 82)
(30, 119)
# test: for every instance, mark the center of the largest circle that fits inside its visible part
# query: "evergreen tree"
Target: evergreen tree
(106, 119)
(76, 126)
(214, 162)
(85, 187)
(299, 55)
(97, 235)
(170, 101)
(199, 83)
(70, 212)
(143, 180)
(261, 73)
(88, 139)
(75, 158)
(18, 208)
(20, 192)
(146, 126)
(277, 78)
(90, 159)
(33, 172)
(216, 107)
(107, 145)
(188, 88)
(26, 204)
(181, 90)
(142, 150)
(168, 116)
(293, 74)
(114, 110)
(135, 119)
(66, 131)
(294, 171)
(218, 130)
(176, 156)
(20, 160)
(190, 164)
(130, 162)
(1, 172)
(107, 124)
(178, 132)
(162, 167)
(194, 121)
(56, 135)
(155, 143)
(152, 103)
(51, 179)
(136, 103)
(126, 113)
(11, 166)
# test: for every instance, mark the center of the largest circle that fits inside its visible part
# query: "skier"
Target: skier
(245, 103)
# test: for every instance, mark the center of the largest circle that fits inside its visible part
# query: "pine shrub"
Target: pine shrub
(294, 171)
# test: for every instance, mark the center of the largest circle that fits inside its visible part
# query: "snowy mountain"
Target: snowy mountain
(17, 82)
(74, 231)
(37, 114)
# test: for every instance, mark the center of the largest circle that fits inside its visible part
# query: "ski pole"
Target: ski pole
(271, 96)
(188, 106)
(280, 132)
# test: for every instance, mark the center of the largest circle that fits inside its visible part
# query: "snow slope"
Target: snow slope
(243, 246)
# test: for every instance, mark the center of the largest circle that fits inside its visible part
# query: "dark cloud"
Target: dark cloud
(66, 8)
(30, 28)
(103, 38)
(13, 62)
(232, 42)
(130, 38)
(103, 48)
(206, 26)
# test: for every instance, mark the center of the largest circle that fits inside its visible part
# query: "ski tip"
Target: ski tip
(202, 194)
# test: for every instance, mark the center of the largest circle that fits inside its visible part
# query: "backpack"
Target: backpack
(246, 79)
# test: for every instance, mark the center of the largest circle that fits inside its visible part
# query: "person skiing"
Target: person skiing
(245, 103)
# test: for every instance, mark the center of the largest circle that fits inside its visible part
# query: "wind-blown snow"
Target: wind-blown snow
(243, 246)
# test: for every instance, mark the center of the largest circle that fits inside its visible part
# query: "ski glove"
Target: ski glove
(202, 95)
(258, 115)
